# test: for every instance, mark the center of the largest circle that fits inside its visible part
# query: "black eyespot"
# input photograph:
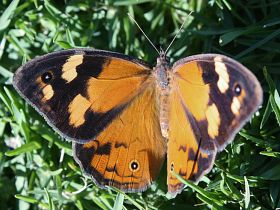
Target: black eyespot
(134, 165)
(47, 77)
(237, 89)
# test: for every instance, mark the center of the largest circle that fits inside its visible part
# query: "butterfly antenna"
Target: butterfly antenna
(177, 33)
(143, 33)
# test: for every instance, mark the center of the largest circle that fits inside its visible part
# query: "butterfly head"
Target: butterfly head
(163, 59)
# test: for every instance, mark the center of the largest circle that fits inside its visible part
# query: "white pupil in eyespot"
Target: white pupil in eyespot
(134, 165)
(237, 89)
(46, 77)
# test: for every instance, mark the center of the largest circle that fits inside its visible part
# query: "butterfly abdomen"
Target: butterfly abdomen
(164, 114)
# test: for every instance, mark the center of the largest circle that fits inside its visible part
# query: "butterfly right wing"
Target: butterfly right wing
(212, 97)
(106, 103)
(80, 91)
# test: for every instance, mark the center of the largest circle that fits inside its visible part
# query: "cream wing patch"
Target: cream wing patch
(235, 106)
(69, 71)
(47, 92)
(221, 70)
(77, 109)
(213, 119)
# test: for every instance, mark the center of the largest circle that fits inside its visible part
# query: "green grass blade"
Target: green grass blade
(230, 36)
(247, 193)
(50, 201)
(258, 44)
(28, 147)
(272, 173)
(137, 205)
(5, 73)
(130, 2)
(212, 197)
(2, 44)
(118, 205)
(6, 16)
(31, 200)
(271, 154)
(266, 114)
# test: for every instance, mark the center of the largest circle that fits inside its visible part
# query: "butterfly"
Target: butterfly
(124, 116)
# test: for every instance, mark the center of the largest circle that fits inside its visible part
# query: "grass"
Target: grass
(37, 169)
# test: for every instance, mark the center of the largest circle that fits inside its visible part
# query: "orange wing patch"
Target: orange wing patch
(116, 68)
(190, 72)
(117, 92)
(129, 152)
(194, 92)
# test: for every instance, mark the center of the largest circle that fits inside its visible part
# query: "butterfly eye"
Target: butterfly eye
(47, 77)
(237, 89)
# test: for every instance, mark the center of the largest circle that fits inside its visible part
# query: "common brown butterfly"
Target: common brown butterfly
(125, 116)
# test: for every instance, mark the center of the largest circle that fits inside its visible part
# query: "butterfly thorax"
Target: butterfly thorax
(163, 77)
(162, 71)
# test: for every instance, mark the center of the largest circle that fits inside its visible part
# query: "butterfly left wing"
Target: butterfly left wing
(129, 152)
(212, 97)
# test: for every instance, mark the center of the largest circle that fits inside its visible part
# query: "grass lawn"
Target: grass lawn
(37, 170)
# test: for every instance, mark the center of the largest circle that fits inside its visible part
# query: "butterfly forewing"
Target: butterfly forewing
(80, 91)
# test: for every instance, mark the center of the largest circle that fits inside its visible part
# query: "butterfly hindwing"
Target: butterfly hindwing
(80, 91)
(215, 96)
(129, 152)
